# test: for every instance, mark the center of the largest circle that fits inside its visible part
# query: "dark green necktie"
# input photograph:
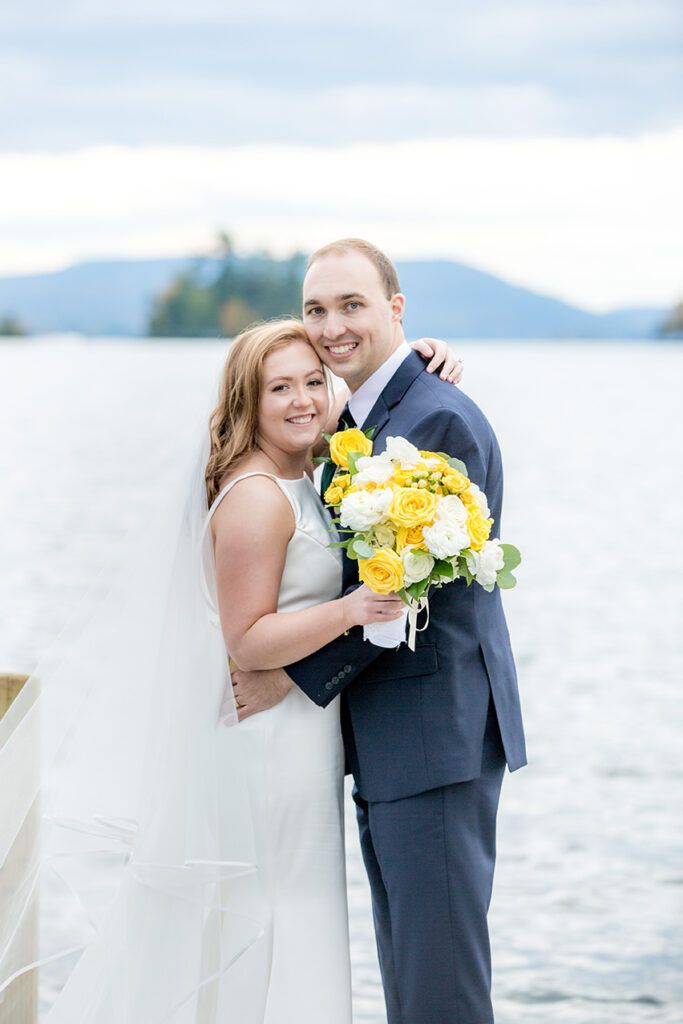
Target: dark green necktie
(346, 420)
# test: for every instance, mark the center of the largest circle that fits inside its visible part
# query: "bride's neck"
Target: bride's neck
(288, 465)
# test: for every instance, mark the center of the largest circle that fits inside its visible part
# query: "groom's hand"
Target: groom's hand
(257, 691)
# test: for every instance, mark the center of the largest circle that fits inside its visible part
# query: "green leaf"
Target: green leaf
(351, 459)
(444, 569)
(455, 463)
(351, 549)
(339, 544)
(321, 458)
(363, 549)
(465, 570)
(511, 557)
(488, 587)
(403, 595)
(327, 436)
(416, 590)
(369, 431)
(505, 580)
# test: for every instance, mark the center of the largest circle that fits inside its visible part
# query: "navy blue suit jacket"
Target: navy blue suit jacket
(413, 721)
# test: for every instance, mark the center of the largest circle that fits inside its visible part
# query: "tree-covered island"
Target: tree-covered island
(223, 293)
(10, 327)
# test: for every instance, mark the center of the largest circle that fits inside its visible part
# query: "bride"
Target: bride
(271, 534)
(197, 871)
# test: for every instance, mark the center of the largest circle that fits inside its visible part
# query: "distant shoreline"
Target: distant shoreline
(444, 299)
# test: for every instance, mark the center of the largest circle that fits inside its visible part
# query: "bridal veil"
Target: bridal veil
(144, 875)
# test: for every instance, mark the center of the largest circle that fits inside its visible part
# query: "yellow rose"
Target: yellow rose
(412, 506)
(334, 494)
(410, 535)
(345, 441)
(455, 482)
(337, 489)
(478, 527)
(383, 572)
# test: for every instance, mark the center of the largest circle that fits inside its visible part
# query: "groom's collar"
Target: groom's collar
(364, 398)
(394, 390)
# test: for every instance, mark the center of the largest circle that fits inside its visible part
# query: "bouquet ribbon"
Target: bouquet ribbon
(414, 609)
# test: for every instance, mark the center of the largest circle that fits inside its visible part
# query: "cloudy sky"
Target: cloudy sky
(541, 140)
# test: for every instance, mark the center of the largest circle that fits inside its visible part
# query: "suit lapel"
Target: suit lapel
(410, 368)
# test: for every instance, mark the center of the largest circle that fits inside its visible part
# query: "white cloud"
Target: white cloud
(93, 72)
(594, 221)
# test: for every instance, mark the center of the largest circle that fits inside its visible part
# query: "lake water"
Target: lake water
(587, 913)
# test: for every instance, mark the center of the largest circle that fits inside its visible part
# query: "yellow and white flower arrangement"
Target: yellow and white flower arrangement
(414, 519)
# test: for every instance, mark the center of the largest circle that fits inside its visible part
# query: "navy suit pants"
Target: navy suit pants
(430, 861)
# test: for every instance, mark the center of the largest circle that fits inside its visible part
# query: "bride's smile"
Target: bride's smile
(294, 401)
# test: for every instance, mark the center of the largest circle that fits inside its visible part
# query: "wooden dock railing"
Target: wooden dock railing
(19, 828)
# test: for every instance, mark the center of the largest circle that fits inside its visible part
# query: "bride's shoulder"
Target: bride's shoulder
(248, 472)
(255, 493)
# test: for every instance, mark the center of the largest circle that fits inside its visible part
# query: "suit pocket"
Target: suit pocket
(404, 663)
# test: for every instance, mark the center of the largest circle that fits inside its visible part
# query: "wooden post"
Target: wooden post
(20, 818)
(10, 685)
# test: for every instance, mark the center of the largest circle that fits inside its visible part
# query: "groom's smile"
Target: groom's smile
(340, 351)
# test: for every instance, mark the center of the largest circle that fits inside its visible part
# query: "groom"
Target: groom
(427, 733)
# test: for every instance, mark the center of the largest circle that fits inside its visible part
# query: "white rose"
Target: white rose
(452, 510)
(400, 450)
(445, 538)
(417, 565)
(362, 509)
(372, 469)
(384, 535)
(487, 562)
(480, 499)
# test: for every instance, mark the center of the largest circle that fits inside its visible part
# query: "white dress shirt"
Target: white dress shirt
(363, 399)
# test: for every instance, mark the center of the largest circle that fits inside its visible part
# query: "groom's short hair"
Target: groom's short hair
(385, 268)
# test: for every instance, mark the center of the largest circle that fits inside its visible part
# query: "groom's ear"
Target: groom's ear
(398, 304)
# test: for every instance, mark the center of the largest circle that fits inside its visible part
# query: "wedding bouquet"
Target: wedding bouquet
(414, 520)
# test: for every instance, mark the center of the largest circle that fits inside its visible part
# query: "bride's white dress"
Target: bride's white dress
(197, 863)
(298, 972)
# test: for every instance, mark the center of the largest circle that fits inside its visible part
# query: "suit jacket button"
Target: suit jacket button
(335, 680)
(329, 686)
(347, 668)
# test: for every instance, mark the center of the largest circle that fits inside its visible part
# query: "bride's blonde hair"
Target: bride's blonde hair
(233, 424)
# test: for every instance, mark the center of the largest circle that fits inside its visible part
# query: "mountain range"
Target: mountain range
(444, 299)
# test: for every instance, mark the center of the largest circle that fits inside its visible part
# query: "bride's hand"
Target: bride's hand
(439, 352)
(363, 606)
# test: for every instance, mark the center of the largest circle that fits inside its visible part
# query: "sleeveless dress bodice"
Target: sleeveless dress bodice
(312, 571)
(299, 972)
